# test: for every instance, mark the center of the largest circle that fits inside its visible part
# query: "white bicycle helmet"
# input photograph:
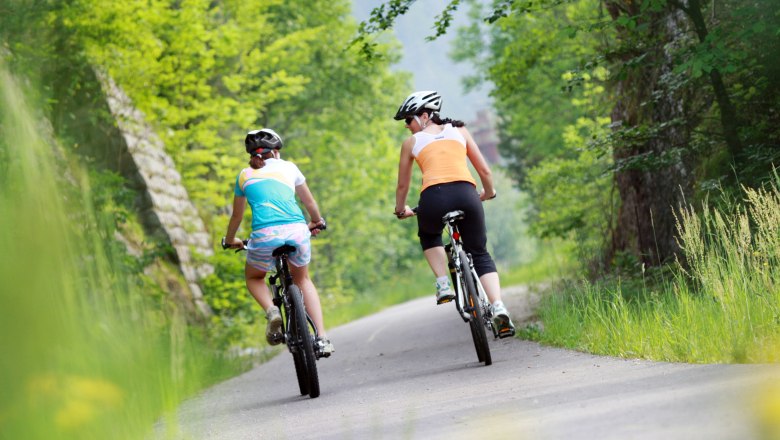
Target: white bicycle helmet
(262, 141)
(426, 99)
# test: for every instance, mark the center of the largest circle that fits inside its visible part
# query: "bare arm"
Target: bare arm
(402, 210)
(239, 204)
(310, 204)
(480, 164)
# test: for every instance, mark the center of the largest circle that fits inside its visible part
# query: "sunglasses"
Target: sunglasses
(409, 119)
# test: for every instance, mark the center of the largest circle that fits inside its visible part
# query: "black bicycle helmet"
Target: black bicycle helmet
(426, 99)
(262, 141)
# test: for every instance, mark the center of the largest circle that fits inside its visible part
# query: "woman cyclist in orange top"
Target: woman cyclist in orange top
(440, 147)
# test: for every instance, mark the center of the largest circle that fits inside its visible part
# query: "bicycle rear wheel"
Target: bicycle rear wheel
(305, 341)
(300, 370)
(474, 308)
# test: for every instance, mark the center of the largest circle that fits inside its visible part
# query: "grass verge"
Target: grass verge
(723, 306)
(86, 353)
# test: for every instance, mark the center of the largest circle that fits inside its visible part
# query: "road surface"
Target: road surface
(411, 372)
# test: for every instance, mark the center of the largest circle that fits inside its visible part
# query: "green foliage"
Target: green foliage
(381, 19)
(203, 73)
(549, 89)
(552, 260)
(509, 241)
(571, 191)
(237, 317)
(528, 59)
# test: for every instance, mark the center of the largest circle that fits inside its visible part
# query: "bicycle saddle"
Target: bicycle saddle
(453, 216)
(286, 249)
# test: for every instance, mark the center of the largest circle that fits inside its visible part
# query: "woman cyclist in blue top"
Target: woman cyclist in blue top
(441, 148)
(270, 185)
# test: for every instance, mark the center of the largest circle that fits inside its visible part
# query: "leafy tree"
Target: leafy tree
(204, 73)
(676, 68)
(534, 61)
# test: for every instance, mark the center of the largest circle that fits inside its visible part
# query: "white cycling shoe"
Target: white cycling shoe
(324, 347)
(444, 292)
(273, 331)
(501, 321)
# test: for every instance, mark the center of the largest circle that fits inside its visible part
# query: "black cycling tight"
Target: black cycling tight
(437, 200)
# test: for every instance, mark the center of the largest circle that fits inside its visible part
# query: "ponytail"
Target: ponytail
(256, 162)
(437, 119)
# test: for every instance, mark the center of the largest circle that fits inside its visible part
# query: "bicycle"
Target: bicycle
(298, 331)
(471, 301)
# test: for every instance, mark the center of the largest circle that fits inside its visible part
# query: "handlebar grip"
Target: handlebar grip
(321, 227)
(227, 246)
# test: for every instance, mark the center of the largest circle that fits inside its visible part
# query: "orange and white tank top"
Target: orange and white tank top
(442, 157)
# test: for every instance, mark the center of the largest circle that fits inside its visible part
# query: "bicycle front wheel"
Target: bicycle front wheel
(474, 308)
(305, 341)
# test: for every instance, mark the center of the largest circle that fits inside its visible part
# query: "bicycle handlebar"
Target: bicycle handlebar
(226, 246)
(414, 210)
(321, 227)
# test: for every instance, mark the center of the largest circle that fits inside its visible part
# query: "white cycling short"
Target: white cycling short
(263, 241)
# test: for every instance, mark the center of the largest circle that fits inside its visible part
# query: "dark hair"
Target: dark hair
(256, 162)
(437, 119)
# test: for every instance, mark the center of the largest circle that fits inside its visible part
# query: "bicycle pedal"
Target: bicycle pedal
(507, 332)
(278, 338)
(444, 301)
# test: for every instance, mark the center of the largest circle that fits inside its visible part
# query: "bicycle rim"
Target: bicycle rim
(305, 342)
(474, 307)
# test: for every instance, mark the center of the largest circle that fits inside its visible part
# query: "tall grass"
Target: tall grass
(723, 305)
(83, 354)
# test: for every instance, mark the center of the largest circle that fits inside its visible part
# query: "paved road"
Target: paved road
(410, 372)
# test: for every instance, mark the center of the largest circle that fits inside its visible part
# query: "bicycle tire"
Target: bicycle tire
(305, 341)
(475, 311)
(300, 370)
(474, 334)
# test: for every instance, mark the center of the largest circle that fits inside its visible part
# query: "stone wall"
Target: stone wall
(168, 206)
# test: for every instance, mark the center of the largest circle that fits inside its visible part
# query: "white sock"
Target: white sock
(498, 303)
(442, 281)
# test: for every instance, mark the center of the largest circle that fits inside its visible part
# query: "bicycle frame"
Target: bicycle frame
(298, 329)
(453, 249)
(279, 284)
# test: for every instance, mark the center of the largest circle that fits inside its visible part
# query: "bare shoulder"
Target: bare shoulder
(408, 143)
(464, 131)
(467, 136)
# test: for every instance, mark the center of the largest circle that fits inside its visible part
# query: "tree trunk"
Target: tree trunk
(649, 195)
